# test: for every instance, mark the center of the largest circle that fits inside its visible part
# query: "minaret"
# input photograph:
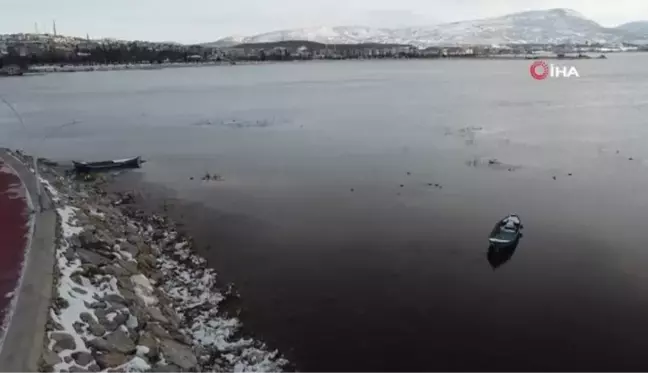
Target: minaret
(54, 27)
(36, 27)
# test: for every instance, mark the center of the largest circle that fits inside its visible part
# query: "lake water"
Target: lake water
(346, 254)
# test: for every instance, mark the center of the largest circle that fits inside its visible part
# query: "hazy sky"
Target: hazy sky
(208, 20)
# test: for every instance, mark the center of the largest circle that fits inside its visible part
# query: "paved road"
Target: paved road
(24, 230)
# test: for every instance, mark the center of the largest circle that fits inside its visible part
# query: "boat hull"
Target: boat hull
(86, 167)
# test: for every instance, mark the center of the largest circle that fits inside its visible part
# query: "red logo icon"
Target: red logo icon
(543, 70)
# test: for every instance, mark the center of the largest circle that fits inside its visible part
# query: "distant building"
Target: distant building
(431, 52)
(303, 52)
(234, 52)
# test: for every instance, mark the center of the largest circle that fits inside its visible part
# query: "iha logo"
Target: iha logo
(540, 70)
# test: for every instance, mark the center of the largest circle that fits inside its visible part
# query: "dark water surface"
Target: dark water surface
(346, 270)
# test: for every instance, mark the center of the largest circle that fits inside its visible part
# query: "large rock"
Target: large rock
(179, 354)
(111, 359)
(98, 344)
(119, 341)
(128, 294)
(116, 322)
(146, 263)
(90, 257)
(116, 341)
(82, 358)
(166, 368)
(99, 305)
(97, 329)
(115, 299)
(101, 313)
(116, 270)
(157, 315)
(76, 369)
(129, 265)
(69, 254)
(130, 248)
(144, 249)
(131, 229)
(50, 358)
(74, 241)
(147, 340)
(121, 318)
(134, 239)
(89, 241)
(62, 341)
(87, 318)
(157, 330)
(172, 315)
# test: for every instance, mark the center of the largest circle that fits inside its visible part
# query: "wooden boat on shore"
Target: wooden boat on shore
(506, 232)
(85, 167)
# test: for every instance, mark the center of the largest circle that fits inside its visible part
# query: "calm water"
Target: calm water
(386, 277)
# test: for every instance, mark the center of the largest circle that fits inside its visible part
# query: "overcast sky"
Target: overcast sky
(208, 20)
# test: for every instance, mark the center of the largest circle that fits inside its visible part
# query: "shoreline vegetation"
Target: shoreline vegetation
(44, 54)
(67, 68)
(130, 294)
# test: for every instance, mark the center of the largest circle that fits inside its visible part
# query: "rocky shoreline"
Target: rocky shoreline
(130, 295)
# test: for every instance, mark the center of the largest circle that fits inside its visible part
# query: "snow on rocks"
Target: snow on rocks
(130, 295)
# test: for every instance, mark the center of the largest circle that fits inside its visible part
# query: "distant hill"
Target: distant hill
(552, 26)
(294, 44)
(639, 28)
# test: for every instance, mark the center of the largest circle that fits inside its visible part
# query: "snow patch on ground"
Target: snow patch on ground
(77, 302)
(136, 365)
(94, 212)
(144, 290)
(193, 289)
(142, 350)
(50, 189)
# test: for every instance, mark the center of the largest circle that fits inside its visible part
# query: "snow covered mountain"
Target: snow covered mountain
(639, 28)
(551, 26)
(226, 42)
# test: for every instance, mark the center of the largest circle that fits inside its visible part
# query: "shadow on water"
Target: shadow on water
(498, 255)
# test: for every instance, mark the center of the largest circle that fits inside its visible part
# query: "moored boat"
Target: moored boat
(134, 162)
(506, 232)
